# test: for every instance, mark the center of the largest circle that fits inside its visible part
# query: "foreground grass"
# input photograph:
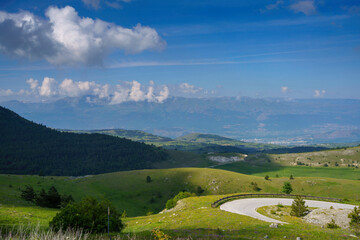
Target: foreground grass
(194, 216)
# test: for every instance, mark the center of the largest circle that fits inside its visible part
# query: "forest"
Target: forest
(30, 148)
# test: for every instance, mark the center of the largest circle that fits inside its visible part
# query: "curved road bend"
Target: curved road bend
(248, 206)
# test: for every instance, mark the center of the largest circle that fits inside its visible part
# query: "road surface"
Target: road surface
(248, 206)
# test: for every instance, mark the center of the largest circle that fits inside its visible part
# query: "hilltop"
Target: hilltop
(30, 148)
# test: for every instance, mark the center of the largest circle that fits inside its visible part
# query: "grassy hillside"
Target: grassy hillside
(194, 217)
(339, 163)
(344, 157)
(129, 190)
(29, 148)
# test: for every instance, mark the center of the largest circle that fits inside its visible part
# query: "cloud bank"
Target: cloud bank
(50, 89)
(65, 38)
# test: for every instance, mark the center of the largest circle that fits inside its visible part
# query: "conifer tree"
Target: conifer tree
(298, 208)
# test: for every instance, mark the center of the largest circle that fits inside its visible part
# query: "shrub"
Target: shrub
(181, 195)
(89, 215)
(291, 177)
(355, 216)
(199, 190)
(267, 177)
(298, 208)
(159, 235)
(332, 224)
(287, 188)
(255, 187)
(355, 220)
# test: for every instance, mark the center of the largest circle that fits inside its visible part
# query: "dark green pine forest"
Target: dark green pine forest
(30, 148)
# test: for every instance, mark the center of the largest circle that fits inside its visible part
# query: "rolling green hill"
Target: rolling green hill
(338, 163)
(193, 217)
(29, 148)
(129, 190)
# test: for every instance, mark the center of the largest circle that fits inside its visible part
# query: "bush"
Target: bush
(332, 224)
(355, 216)
(88, 215)
(298, 208)
(291, 177)
(255, 187)
(181, 195)
(267, 177)
(199, 190)
(287, 188)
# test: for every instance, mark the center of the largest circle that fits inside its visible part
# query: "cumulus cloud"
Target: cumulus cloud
(319, 93)
(48, 87)
(284, 89)
(94, 92)
(6, 92)
(65, 38)
(307, 7)
(187, 88)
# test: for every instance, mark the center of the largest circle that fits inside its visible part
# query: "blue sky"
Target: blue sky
(290, 49)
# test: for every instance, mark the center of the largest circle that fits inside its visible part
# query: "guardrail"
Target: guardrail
(225, 199)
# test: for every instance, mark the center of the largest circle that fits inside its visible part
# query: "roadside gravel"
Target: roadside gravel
(248, 206)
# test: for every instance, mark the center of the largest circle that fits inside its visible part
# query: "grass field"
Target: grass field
(129, 191)
(273, 169)
(194, 216)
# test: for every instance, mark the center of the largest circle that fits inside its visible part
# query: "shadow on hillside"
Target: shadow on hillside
(253, 164)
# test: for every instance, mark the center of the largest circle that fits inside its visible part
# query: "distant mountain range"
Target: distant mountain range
(299, 121)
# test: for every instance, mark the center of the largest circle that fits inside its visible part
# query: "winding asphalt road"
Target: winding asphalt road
(248, 206)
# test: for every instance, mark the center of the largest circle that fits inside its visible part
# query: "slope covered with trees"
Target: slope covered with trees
(30, 148)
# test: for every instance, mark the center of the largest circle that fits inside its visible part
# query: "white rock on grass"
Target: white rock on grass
(323, 216)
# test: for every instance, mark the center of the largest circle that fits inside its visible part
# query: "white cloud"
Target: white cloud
(284, 89)
(75, 89)
(33, 84)
(120, 96)
(68, 39)
(307, 7)
(319, 93)
(48, 87)
(5, 93)
(187, 88)
(164, 94)
(136, 94)
(130, 91)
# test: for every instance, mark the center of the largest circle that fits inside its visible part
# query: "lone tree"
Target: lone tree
(148, 179)
(89, 215)
(28, 193)
(298, 208)
(287, 188)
